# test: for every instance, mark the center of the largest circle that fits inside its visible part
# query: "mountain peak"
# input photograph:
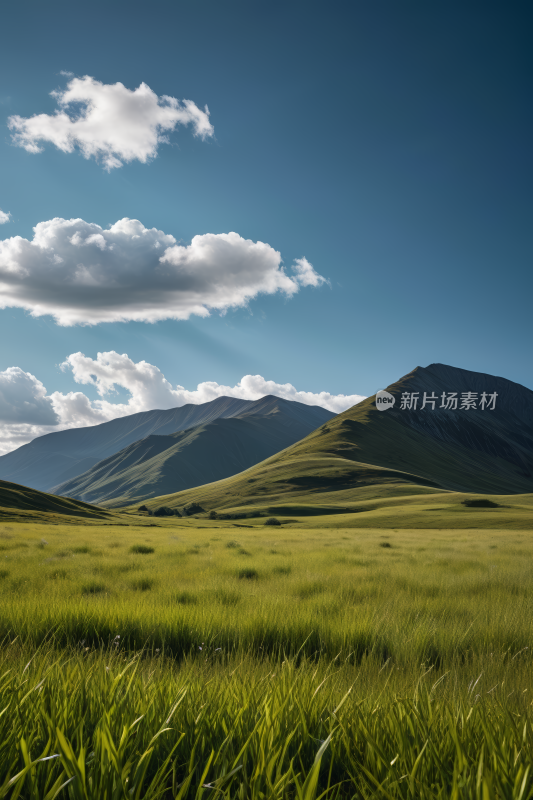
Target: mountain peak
(50, 460)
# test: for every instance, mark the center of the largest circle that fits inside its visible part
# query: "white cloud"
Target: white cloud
(81, 273)
(306, 274)
(23, 399)
(109, 122)
(26, 411)
(5, 216)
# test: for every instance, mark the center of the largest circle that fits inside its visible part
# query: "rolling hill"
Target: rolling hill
(28, 504)
(365, 454)
(209, 452)
(50, 460)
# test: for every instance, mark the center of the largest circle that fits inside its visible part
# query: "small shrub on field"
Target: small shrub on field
(94, 587)
(4, 573)
(272, 521)
(226, 597)
(193, 551)
(193, 508)
(232, 544)
(243, 552)
(83, 550)
(385, 544)
(141, 549)
(282, 570)
(248, 574)
(143, 584)
(64, 554)
(306, 590)
(164, 511)
(185, 599)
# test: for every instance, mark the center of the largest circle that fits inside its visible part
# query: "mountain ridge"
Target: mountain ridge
(208, 452)
(50, 460)
(487, 452)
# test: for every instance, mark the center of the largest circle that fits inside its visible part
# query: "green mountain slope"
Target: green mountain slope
(22, 502)
(161, 464)
(50, 460)
(365, 453)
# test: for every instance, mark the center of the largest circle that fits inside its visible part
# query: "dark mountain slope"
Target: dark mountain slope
(161, 464)
(52, 459)
(363, 450)
(15, 498)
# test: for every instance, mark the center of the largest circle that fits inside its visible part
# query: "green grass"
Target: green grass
(122, 726)
(196, 663)
(348, 590)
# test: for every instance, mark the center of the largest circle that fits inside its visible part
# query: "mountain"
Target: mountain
(29, 504)
(58, 457)
(209, 452)
(364, 453)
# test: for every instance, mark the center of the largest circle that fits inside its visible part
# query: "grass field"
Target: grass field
(165, 657)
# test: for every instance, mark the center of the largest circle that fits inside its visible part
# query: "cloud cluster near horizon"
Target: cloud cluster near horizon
(109, 122)
(27, 410)
(80, 273)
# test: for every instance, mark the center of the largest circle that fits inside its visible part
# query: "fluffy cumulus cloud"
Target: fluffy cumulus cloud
(23, 399)
(109, 122)
(27, 411)
(4, 217)
(81, 273)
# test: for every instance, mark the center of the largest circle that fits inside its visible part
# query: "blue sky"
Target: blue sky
(387, 143)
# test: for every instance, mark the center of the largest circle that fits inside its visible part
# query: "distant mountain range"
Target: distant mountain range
(270, 453)
(154, 452)
(364, 453)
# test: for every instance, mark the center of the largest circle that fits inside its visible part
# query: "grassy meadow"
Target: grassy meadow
(172, 657)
